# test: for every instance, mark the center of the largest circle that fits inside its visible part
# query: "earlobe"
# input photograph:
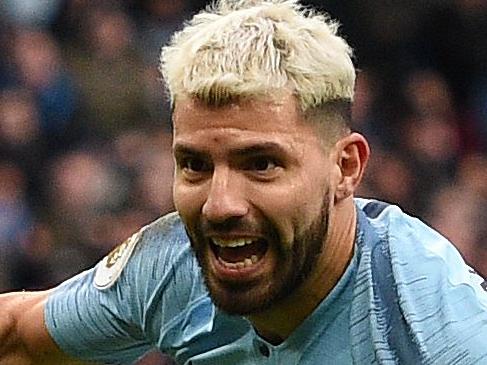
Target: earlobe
(352, 155)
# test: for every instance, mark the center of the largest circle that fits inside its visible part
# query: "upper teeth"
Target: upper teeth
(233, 242)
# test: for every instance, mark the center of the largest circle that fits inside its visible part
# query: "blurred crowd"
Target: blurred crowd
(85, 132)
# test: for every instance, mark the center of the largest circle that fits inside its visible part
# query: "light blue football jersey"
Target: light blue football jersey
(407, 297)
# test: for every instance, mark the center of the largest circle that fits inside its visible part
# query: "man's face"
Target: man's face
(252, 187)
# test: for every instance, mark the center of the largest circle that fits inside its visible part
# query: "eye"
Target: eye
(194, 165)
(261, 164)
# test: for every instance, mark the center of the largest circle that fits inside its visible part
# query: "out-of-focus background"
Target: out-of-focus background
(85, 133)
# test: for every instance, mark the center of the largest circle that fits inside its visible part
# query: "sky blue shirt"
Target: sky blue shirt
(407, 297)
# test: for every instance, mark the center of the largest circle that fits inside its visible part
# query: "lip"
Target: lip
(245, 274)
(234, 236)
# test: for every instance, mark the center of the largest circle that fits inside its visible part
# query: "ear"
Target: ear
(352, 155)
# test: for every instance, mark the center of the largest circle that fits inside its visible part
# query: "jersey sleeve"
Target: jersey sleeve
(116, 320)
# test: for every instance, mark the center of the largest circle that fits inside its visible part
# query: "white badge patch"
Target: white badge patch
(110, 268)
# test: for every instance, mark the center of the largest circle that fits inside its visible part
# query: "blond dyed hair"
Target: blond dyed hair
(257, 48)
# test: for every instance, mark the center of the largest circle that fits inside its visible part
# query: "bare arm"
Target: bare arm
(24, 339)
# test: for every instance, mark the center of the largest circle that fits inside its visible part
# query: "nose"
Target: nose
(226, 197)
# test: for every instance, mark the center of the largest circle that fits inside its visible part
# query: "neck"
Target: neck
(279, 321)
(475, 256)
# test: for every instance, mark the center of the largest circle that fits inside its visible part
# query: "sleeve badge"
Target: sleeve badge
(110, 268)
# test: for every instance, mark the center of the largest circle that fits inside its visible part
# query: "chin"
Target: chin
(241, 301)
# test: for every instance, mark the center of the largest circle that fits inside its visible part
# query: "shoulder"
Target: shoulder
(147, 288)
(442, 299)
(157, 245)
(167, 230)
(166, 239)
(417, 249)
(408, 236)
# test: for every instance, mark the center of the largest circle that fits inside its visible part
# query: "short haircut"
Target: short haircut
(260, 48)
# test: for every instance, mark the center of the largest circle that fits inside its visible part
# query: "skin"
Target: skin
(286, 199)
(257, 169)
(24, 339)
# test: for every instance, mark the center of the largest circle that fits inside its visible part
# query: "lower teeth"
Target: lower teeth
(241, 264)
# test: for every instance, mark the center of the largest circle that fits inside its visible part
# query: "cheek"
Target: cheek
(290, 208)
(186, 200)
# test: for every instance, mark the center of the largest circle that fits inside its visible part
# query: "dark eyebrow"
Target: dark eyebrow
(258, 148)
(181, 149)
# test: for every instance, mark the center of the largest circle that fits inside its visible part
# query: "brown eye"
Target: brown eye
(261, 164)
(264, 164)
(192, 165)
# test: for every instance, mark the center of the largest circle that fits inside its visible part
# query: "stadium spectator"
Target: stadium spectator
(109, 72)
(39, 68)
(16, 215)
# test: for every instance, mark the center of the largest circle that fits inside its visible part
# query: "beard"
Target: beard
(294, 264)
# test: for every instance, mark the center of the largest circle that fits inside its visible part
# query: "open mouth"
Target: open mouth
(239, 253)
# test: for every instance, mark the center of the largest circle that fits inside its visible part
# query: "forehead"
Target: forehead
(281, 117)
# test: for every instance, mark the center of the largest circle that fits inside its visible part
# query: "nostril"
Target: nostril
(223, 207)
